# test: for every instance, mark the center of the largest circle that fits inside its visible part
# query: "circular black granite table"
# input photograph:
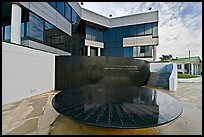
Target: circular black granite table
(117, 106)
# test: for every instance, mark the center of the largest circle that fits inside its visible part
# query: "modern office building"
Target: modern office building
(65, 28)
(33, 33)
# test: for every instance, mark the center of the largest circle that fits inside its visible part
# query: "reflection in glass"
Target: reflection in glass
(94, 34)
(36, 27)
(49, 34)
(155, 29)
(128, 52)
(113, 38)
(142, 49)
(133, 30)
(67, 11)
(59, 39)
(7, 33)
(140, 29)
(27, 28)
(60, 7)
(22, 30)
(74, 17)
(53, 4)
(126, 31)
(148, 28)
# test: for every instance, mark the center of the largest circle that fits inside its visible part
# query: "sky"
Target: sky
(180, 23)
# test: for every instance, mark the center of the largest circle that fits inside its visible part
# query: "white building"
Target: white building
(188, 65)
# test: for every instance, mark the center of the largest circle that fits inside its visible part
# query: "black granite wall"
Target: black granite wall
(82, 70)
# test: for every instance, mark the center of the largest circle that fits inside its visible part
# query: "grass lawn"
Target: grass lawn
(187, 76)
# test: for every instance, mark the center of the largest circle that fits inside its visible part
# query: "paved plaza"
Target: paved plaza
(36, 116)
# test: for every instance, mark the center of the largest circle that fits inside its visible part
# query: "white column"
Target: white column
(99, 51)
(196, 69)
(89, 51)
(182, 68)
(154, 53)
(192, 69)
(16, 23)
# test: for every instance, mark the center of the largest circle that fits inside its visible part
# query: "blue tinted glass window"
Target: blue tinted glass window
(148, 28)
(48, 26)
(27, 28)
(133, 30)
(49, 34)
(99, 35)
(112, 52)
(60, 7)
(127, 52)
(126, 31)
(53, 4)
(88, 33)
(148, 51)
(140, 29)
(93, 34)
(36, 27)
(119, 34)
(113, 44)
(107, 35)
(67, 11)
(142, 49)
(100, 38)
(155, 29)
(131, 51)
(7, 33)
(74, 16)
(119, 52)
(107, 44)
(155, 24)
(107, 52)
(119, 44)
(112, 35)
(22, 29)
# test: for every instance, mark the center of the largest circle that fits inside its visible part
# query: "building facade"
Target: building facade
(65, 28)
(34, 33)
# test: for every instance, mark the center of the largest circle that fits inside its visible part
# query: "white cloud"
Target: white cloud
(180, 23)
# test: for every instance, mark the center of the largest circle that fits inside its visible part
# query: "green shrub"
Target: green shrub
(187, 76)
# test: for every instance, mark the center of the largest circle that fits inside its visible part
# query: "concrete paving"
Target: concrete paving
(30, 116)
(198, 79)
(36, 116)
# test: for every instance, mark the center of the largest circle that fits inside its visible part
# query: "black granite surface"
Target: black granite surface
(82, 70)
(117, 106)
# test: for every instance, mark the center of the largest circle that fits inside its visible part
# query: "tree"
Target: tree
(166, 57)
